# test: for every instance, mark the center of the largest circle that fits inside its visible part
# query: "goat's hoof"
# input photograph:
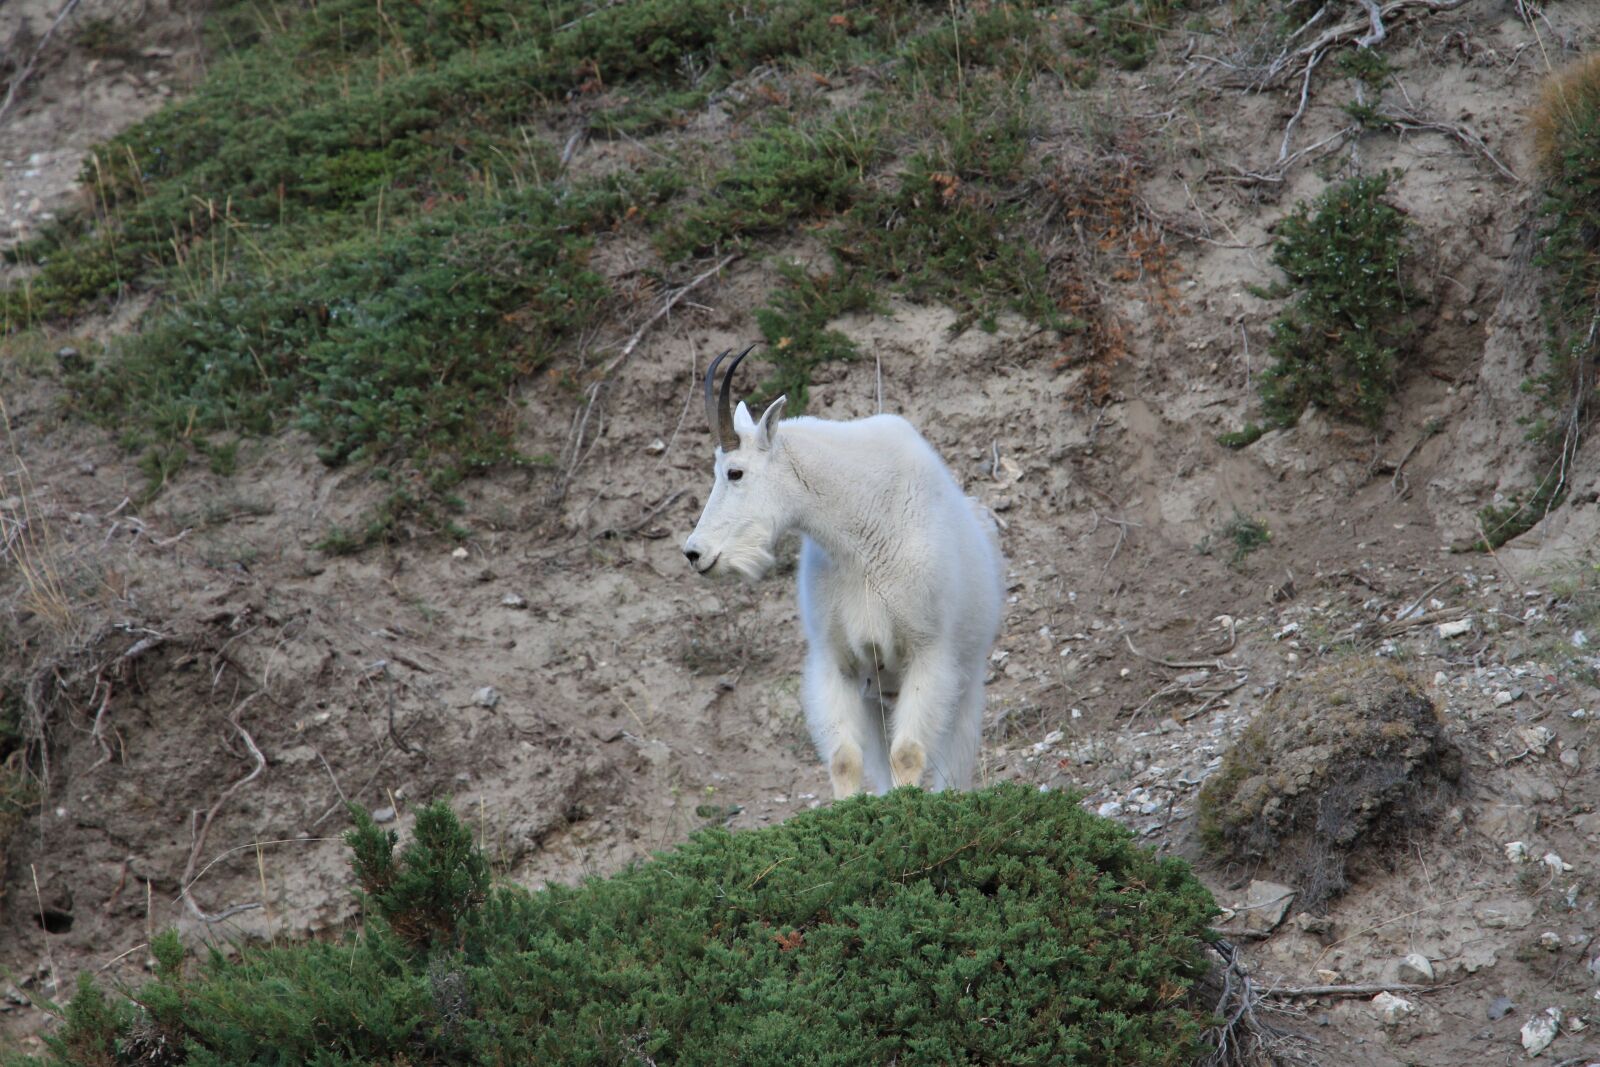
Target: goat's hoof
(907, 760)
(845, 769)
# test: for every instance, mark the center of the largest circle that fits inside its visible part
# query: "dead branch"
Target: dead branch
(1305, 96)
(639, 523)
(1427, 618)
(1368, 989)
(33, 58)
(677, 295)
(1353, 30)
(1407, 121)
(186, 883)
(1375, 18)
(1181, 665)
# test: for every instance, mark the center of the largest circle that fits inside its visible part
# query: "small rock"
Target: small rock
(1110, 809)
(1517, 852)
(69, 358)
(459, 553)
(1264, 906)
(1459, 627)
(1392, 1009)
(1314, 924)
(1416, 968)
(1327, 977)
(1550, 941)
(487, 697)
(1556, 864)
(1580, 639)
(1502, 698)
(1499, 1008)
(656, 447)
(1571, 760)
(514, 601)
(1537, 738)
(382, 815)
(1539, 1031)
(86, 468)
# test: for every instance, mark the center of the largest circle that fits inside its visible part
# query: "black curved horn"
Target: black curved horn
(711, 392)
(725, 431)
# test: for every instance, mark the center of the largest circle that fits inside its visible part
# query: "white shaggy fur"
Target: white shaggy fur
(901, 587)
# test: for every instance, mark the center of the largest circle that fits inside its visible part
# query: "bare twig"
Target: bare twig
(643, 520)
(677, 295)
(1305, 94)
(186, 883)
(27, 68)
(1375, 18)
(1180, 665)
(1367, 989)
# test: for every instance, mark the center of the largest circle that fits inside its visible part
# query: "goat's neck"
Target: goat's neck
(836, 498)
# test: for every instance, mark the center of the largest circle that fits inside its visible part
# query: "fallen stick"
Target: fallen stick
(677, 295)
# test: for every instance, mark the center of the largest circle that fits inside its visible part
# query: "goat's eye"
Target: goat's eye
(734, 474)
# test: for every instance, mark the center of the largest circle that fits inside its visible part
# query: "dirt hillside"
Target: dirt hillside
(226, 685)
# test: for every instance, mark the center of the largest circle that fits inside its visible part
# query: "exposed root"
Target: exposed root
(186, 884)
(1242, 1038)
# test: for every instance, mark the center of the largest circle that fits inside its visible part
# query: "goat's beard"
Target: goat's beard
(752, 562)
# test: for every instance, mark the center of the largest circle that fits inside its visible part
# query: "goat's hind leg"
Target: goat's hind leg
(836, 715)
(924, 714)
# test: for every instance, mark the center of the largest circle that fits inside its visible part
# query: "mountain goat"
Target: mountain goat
(900, 582)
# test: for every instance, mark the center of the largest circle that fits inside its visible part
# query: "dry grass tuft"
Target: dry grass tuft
(1568, 96)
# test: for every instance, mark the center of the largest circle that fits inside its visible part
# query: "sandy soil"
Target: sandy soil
(633, 703)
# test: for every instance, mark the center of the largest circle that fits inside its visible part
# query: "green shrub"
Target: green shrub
(1005, 926)
(1339, 342)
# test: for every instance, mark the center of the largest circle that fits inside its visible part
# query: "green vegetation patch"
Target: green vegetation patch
(364, 221)
(1339, 343)
(1004, 926)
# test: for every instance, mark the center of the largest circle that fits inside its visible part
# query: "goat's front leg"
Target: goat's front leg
(832, 700)
(929, 691)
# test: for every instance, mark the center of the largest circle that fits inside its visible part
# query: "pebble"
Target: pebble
(487, 697)
(1550, 941)
(1416, 968)
(1502, 698)
(459, 553)
(1392, 1009)
(514, 601)
(1539, 1031)
(1457, 628)
(1110, 809)
(1499, 1008)
(383, 815)
(1571, 760)
(1517, 852)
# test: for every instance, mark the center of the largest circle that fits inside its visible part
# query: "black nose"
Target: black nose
(694, 557)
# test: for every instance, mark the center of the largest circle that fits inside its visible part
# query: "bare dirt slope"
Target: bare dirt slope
(568, 682)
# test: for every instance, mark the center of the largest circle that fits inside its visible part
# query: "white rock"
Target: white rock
(1539, 1031)
(656, 447)
(1580, 639)
(1288, 631)
(1502, 698)
(1554, 861)
(514, 601)
(1264, 906)
(487, 697)
(1392, 1009)
(1571, 760)
(1416, 968)
(1517, 852)
(1550, 941)
(1537, 738)
(459, 553)
(1458, 628)
(1110, 809)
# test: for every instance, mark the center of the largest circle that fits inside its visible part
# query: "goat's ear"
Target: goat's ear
(767, 428)
(743, 424)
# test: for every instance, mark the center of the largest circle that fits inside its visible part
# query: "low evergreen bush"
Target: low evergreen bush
(1004, 926)
(1338, 344)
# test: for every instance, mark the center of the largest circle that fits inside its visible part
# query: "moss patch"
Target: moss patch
(1347, 759)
